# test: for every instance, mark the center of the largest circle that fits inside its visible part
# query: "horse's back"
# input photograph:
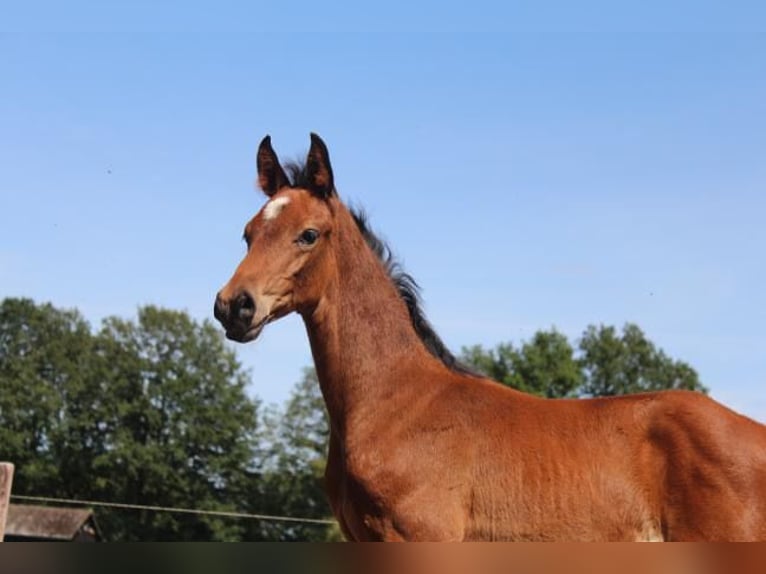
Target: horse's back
(711, 466)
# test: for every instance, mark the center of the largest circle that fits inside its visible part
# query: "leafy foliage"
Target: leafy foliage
(46, 356)
(182, 429)
(609, 363)
(615, 364)
(152, 412)
(290, 480)
(543, 366)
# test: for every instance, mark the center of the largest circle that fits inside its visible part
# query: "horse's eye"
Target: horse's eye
(308, 237)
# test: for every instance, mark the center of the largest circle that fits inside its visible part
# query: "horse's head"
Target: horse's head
(287, 258)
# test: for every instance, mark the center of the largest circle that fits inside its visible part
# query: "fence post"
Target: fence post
(6, 479)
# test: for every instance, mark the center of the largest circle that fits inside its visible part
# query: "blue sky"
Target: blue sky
(533, 165)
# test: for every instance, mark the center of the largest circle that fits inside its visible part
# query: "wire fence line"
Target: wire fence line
(171, 509)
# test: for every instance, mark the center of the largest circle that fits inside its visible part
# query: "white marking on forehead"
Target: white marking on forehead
(275, 207)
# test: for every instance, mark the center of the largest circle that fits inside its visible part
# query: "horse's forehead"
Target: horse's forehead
(274, 207)
(290, 204)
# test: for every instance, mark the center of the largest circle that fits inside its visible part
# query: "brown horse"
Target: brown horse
(421, 449)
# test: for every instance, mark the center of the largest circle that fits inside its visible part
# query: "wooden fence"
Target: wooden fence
(6, 480)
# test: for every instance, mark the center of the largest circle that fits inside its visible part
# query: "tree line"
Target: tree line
(154, 411)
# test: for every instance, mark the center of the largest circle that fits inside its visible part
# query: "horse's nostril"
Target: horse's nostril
(220, 309)
(245, 307)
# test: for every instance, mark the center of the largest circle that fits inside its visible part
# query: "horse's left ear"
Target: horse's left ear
(319, 170)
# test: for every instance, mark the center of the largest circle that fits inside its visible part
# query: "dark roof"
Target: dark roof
(48, 522)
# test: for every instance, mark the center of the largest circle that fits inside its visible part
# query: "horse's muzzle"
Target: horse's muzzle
(236, 314)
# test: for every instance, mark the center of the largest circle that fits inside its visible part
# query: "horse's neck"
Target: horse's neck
(360, 333)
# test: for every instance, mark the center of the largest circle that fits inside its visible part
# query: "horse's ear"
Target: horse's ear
(318, 169)
(271, 176)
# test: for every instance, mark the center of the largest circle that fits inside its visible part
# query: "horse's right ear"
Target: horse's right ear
(271, 176)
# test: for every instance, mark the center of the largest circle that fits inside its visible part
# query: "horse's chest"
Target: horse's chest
(355, 504)
(360, 510)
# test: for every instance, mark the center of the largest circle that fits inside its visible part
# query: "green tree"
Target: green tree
(181, 428)
(290, 481)
(616, 364)
(544, 366)
(606, 363)
(497, 364)
(547, 366)
(45, 358)
(151, 412)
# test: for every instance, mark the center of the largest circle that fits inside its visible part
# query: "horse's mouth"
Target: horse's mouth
(249, 334)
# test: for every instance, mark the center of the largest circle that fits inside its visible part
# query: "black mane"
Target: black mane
(409, 291)
(407, 287)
